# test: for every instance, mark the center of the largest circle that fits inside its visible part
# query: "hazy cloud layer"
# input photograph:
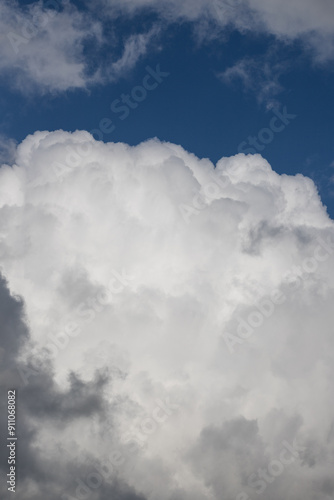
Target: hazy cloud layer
(180, 322)
(57, 47)
(260, 75)
(311, 21)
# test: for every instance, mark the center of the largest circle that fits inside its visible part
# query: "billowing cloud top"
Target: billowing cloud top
(203, 298)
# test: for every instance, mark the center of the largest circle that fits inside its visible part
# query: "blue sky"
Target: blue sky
(195, 106)
(166, 292)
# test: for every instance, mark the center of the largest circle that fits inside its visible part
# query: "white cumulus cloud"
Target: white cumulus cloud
(206, 295)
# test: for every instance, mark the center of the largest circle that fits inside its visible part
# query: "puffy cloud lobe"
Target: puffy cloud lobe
(95, 235)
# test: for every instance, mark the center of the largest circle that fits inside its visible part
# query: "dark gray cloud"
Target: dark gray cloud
(40, 403)
(43, 399)
(13, 329)
(233, 449)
